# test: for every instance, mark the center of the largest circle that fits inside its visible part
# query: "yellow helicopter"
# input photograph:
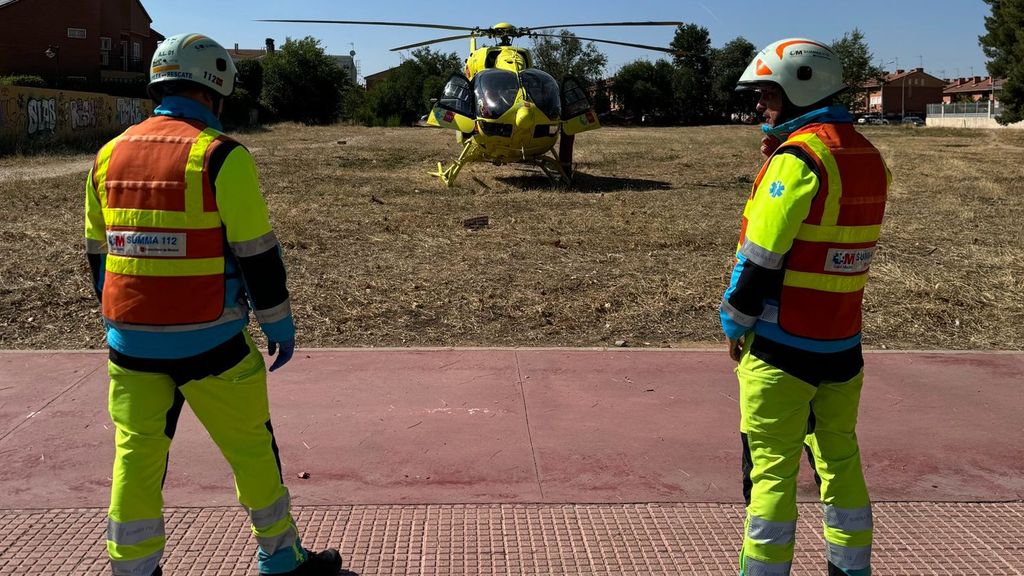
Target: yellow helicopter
(505, 110)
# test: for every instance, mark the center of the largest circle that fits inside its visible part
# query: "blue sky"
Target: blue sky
(943, 36)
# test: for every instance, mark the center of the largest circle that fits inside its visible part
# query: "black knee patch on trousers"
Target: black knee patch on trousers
(277, 453)
(747, 466)
(811, 425)
(171, 425)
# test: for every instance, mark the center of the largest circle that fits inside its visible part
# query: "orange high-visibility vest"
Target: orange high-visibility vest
(826, 269)
(165, 239)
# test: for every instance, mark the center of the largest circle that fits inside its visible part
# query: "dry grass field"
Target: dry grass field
(639, 251)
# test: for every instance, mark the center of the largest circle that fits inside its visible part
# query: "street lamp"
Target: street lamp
(903, 97)
(881, 86)
(53, 52)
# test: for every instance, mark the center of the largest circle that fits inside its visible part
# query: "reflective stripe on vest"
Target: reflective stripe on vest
(826, 268)
(165, 240)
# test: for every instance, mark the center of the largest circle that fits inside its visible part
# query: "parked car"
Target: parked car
(912, 121)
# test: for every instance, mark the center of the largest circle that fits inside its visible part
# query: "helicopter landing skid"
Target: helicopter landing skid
(448, 175)
(553, 169)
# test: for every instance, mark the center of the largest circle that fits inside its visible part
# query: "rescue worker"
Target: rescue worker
(180, 245)
(792, 311)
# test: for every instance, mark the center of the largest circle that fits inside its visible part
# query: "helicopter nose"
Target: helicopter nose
(525, 116)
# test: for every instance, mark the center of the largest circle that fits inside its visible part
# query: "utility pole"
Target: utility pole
(881, 86)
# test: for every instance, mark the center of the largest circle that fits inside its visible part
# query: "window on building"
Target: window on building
(77, 33)
(105, 43)
(104, 58)
(136, 51)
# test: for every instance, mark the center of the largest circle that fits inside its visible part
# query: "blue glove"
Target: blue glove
(287, 349)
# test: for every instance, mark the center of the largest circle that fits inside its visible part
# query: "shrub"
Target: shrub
(26, 80)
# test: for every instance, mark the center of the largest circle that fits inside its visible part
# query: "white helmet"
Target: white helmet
(806, 70)
(194, 58)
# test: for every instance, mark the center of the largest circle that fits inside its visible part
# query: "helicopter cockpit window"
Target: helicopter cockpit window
(575, 100)
(543, 91)
(457, 96)
(495, 92)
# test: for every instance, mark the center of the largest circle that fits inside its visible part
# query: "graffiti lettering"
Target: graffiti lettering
(83, 114)
(130, 111)
(42, 115)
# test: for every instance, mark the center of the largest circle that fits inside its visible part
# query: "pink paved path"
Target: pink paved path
(511, 462)
(519, 426)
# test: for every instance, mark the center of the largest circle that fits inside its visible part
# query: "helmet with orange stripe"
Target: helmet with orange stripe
(807, 71)
(191, 58)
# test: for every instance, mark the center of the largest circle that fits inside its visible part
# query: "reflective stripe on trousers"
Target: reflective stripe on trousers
(848, 534)
(754, 567)
(768, 532)
(273, 526)
(145, 566)
(847, 558)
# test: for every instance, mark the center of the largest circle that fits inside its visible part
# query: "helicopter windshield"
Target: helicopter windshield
(495, 92)
(542, 90)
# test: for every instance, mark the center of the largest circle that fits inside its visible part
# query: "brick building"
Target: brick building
(903, 93)
(86, 41)
(974, 89)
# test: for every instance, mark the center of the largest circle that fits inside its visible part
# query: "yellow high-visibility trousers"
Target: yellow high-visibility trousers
(779, 416)
(234, 409)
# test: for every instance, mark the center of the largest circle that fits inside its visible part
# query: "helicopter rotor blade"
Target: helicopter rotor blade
(434, 41)
(607, 24)
(616, 42)
(376, 23)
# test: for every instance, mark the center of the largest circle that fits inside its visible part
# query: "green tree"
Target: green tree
(856, 59)
(564, 55)
(407, 93)
(1004, 45)
(303, 84)
(644, 87)
(248, 87)
(692, 103)
(727, 65)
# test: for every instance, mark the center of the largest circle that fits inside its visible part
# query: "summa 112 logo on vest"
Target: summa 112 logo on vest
(849, 261)
(150, 244)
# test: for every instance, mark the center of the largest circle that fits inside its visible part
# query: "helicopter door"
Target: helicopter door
(580, 117)
(455, 108)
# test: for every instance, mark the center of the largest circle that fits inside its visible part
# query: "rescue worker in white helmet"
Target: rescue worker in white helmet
(792, 311)
(180, 247)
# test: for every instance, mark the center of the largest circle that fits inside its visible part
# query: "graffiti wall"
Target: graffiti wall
(37, 115)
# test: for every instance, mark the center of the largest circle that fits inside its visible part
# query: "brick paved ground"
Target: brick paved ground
(521, 438)
(913, 539)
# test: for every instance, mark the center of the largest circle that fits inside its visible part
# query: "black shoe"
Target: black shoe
(158, 572)
(326, 563)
